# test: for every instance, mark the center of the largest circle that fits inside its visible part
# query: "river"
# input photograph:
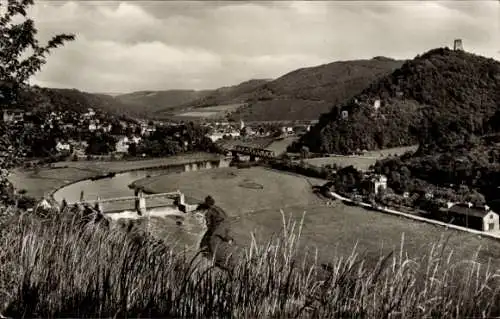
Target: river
(160, 223)
(118, 186)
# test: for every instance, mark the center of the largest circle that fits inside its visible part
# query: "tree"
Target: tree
(21, 55)
(304, 152)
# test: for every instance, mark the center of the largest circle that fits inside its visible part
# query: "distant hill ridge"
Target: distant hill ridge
(302, 94)
(459, 90)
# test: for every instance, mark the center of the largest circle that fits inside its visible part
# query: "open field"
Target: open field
(279, 146)
(238, 191)
(360, 162)
(336, 230)
(253, 197)
(41, 184)
(342, 161)
(391, 151)
(126, 274)
(210, 111)
(46, 180)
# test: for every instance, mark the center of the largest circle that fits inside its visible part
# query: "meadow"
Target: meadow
(217, 111)
(279, 146)
(251, 198)
(309, 261)
(360, 162)
(61, 268)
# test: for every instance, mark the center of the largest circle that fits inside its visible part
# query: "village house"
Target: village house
(63, 147)
(92, 126)
(122, 145)
(135, 139)
(287, 130)
(476, 217)
(13, 115)
(89, 114)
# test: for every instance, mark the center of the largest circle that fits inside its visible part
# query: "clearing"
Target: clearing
(253, 197)
(360, 162)
(279, 146)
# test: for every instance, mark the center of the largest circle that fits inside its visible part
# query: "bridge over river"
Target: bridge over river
(254, 153)
(156, 203)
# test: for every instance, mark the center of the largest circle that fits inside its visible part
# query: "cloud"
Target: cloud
(127, 46)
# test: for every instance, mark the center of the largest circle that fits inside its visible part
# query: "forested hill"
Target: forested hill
(305, 93)
(38, 99)
(440, 96)
(159, 101)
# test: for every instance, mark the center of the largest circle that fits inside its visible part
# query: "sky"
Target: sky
(125, 46)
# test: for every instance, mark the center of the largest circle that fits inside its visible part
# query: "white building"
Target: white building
(63, 147)
(122, 145)
(135, 139)
(379, 183)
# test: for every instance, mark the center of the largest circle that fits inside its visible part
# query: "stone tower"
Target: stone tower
(457, 45)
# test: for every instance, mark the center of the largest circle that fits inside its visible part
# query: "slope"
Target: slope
(41, 100)
(306, 93)
(153, 101)
(433, 98)
(302, 94)
(235, 94)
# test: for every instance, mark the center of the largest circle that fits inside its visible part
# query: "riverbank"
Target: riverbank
(46, 181)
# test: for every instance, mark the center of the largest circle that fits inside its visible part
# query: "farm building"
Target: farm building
(475, 217)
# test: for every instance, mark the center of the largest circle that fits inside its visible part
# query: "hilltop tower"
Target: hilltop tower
(457, 45)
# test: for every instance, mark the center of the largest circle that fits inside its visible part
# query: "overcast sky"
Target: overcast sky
(129, 46)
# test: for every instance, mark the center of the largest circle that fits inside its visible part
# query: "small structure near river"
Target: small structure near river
(140, 200)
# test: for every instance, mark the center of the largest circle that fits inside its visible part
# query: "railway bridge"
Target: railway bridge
(140, 201)
(254, 153)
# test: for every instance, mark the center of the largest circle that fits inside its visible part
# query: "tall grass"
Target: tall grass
(63, 268)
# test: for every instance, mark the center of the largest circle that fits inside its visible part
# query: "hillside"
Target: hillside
(305, 93)
(153, 101)
(235, 94)
(437, 97)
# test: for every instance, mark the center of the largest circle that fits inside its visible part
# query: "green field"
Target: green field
(253, 198)
(360, 162)
(48, 179)
(217, 111)
(238, 191)
(280, 146)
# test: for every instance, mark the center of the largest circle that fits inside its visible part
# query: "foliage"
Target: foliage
(171, 140)
(459, 174)
(440, 98)
(16, 40)
(101, 144)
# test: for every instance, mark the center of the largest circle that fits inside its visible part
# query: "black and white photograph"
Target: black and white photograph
(250, 159)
